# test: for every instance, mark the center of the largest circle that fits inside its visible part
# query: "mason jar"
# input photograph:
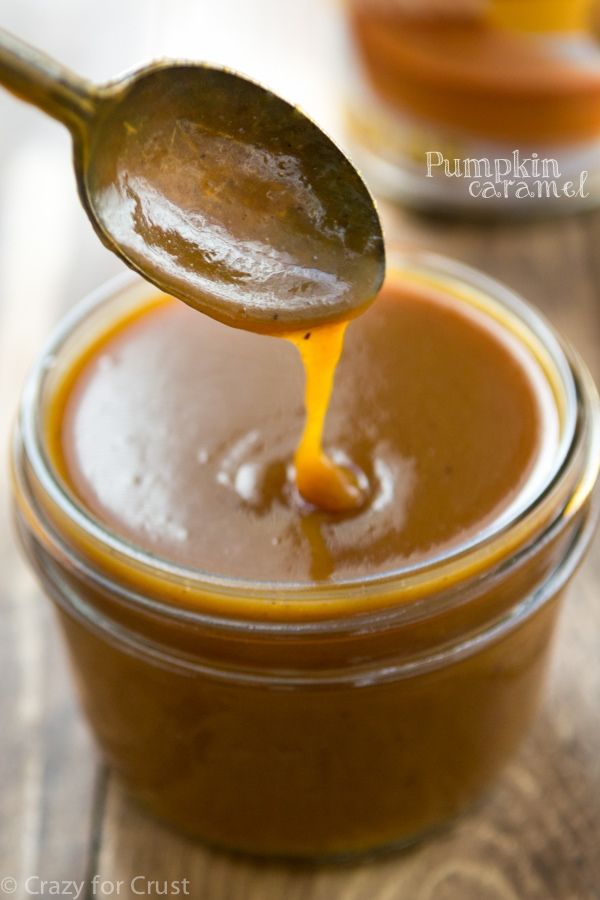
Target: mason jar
(319, 720)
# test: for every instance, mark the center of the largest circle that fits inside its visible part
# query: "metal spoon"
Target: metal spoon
(215, 189)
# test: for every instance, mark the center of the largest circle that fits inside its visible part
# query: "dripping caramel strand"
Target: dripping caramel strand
(319, 480)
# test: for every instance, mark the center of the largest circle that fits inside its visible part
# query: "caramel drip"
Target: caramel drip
(319, 479)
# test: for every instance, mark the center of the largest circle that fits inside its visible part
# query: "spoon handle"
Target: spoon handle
(38, 79)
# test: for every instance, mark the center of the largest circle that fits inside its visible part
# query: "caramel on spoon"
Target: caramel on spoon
(214, 189)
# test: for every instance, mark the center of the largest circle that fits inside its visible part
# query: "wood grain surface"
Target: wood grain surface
(62, 817)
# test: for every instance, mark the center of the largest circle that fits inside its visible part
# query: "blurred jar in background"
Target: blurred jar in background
(434, 83)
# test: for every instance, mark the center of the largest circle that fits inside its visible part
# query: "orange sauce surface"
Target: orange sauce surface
(190, 439)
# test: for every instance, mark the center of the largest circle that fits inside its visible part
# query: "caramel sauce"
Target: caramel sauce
(319, 480)
(189, 438)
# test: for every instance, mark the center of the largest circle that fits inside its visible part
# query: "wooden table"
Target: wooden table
(62, 816)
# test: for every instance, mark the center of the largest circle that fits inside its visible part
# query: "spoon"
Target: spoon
(214, 189)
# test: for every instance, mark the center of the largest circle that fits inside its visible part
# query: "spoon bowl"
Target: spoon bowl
(215, 189)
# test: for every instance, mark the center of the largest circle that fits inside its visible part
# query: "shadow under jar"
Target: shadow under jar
(485, 106)
(312, 720)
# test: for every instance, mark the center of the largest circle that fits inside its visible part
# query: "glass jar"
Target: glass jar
(319, 720)
(480, 105)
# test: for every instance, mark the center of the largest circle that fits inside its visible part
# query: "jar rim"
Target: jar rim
(481, 552)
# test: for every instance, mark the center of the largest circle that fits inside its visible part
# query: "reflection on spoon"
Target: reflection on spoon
(236, 201)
